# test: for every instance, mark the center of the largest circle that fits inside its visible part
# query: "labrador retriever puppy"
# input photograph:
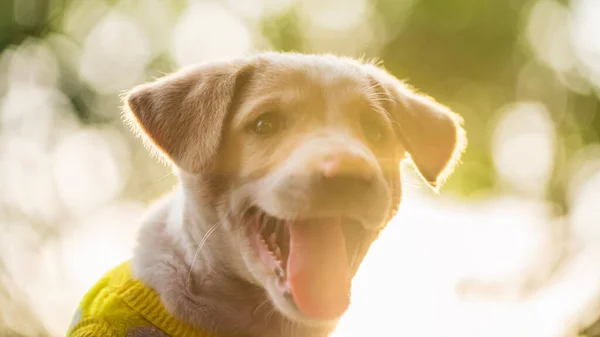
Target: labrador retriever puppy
(289, 168)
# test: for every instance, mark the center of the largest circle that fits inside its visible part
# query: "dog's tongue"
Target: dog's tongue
(318, 271)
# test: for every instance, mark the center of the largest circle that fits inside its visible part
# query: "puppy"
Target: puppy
(289, 167)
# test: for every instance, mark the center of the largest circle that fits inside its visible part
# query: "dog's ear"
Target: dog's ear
(430, 132)
(182, 115)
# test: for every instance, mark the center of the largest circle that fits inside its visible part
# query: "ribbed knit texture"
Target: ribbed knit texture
(119, 306)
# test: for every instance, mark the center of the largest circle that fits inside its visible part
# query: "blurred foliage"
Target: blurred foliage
(465, 53)
(468, 54)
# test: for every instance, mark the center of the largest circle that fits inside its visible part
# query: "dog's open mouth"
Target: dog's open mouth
(309, 260)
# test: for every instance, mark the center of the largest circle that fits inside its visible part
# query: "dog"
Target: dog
(289, 168)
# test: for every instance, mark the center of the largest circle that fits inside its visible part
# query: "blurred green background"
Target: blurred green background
(475, 56)
(525, 75)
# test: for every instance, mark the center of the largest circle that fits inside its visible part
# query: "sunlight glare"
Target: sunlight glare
(523, 147)
(195, 37)
(90, 168)
(585, 32)
(115, 54)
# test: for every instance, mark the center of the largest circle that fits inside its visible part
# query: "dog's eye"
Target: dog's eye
(373, 129)
(267, 124)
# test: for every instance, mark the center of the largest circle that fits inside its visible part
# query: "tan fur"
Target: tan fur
(198, 118)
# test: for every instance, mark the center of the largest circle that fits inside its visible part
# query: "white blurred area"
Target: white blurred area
(499, 266)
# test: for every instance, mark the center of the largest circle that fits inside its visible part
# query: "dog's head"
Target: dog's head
(299, 157)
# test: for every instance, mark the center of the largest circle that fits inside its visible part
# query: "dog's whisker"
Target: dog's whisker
(260, 305)
(270, 314)
(371, 89)
(293, 326)
(200, 245)
(381, 99)
(283, 326)
(165, 176)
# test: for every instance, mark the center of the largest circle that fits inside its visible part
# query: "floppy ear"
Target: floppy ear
(431, 133)
(182, 115)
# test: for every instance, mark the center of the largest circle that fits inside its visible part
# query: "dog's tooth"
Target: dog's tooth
(279, 272)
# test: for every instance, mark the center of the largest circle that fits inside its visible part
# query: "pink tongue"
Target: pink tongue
(318, 271)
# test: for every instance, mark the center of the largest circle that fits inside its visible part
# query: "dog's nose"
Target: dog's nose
(345, 173)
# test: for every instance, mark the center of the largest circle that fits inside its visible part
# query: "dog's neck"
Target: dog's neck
(197, 284)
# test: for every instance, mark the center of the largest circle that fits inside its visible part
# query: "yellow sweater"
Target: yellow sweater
(119, 306)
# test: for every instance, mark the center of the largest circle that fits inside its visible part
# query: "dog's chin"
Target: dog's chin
(269, 262)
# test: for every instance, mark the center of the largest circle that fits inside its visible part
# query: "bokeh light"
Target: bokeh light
(195, 39)
(510, 248)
